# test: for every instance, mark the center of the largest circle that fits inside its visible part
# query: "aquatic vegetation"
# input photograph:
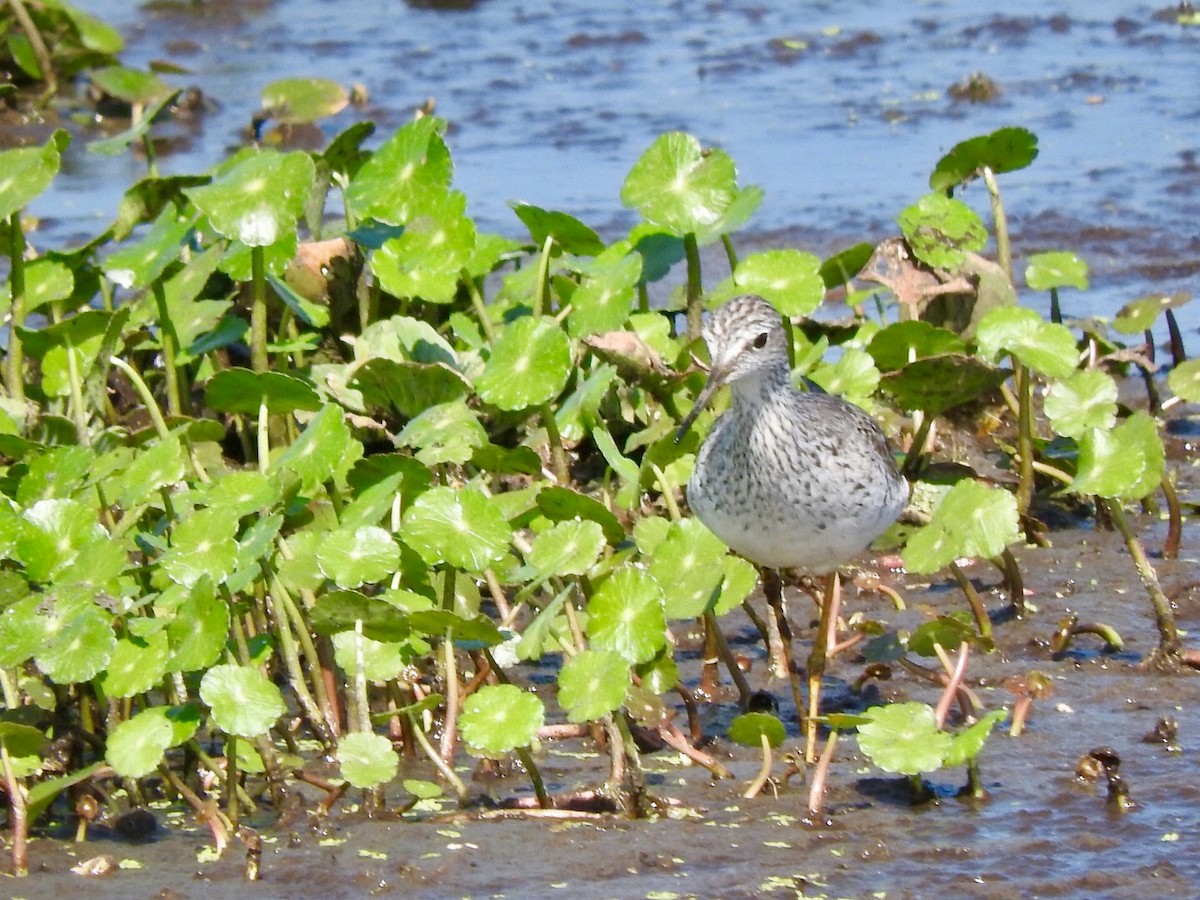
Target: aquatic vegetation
(272, 477)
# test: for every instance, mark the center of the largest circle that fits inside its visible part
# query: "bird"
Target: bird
(787, 479)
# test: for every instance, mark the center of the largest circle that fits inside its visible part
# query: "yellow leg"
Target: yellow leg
(822, 640)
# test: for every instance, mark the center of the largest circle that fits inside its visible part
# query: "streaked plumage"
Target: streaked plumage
(786, 478)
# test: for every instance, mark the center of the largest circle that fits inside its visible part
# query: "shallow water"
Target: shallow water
(838, 110)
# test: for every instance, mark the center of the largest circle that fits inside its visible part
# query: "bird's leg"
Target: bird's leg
(713, 632)
(816, 662)
(780, 634)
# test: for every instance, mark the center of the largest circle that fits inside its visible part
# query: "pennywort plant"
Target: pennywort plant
(277, 483)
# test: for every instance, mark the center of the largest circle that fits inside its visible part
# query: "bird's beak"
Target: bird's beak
(716, 378)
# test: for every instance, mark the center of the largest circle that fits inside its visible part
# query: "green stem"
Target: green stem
(258, 311)
(541, 297)
(668, 493)
(17, 814)
(38, 44)
(360, 680)
(1016, 584)
(914, 459)
(231, 797)
(535, 775)
(695, 287)
(1003, 246)
(1168, 650)
(1055, 307)
(982, 622)
(481, 313)
(78, 412)
(264, 437)
(730, 252)
(562, 469)
(139, 385)
(446, 770)
(14, 370)
(291, 657)
(1174, 519)
(1024, 379)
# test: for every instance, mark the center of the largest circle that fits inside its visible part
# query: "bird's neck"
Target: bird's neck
(760, 387)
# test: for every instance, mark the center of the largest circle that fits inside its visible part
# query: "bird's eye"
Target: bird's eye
(760, 341)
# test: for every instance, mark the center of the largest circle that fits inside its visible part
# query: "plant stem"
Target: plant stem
(982, 622)
(450, 677)
(169, 341)
(1168, 651)
(231, 798)
(481, 313)
(914, 459)
(1174, 519)
(78, 411)
(139, 385)
(754, 788)
(14, 369)
(1012, 576)
(735, 672)
(562, 469)
(535, 775)
(1178, 353)
(541, 296)
(445, 769)
(258, 311)
(1055, 309)
(1024, 380)
(40, 51)
(816, 792)
(18, 818)
(1000, 219)
(730, 252)
(695, 287)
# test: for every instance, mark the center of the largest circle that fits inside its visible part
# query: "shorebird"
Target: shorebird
(788, 479)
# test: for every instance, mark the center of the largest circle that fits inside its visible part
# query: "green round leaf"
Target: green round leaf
(940, 230)
(427, 260)
(202, 544)
(1082, 401)
(1004, 150)
(28, 171)
(136, 665)
(131, 85)
(567, 548)
(79, 642)
(367, 760)
(137, 745)
(972, 520)
(560, 504)
(198, 629)
(789, 279)
(1126, 462)
(750, 728)
(382, 661)
(354, 556)
(257, 201)
(940, 383)
(843, 267)
(242, 391)
(498, 718)
(339, 610)
(325, 451)
(969, 742)
(1139, 315)
(1184, 380)
(627, 615)
(448, 432)
(461, 527)
(410, 170)
(1045, 347)
(903, 738)
(689, 566)
(678, 186)
(242, 700)
(1055, 269)
(902, 343)
(593, 684)
(569, 233)
(302, 100)
(529, 365)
